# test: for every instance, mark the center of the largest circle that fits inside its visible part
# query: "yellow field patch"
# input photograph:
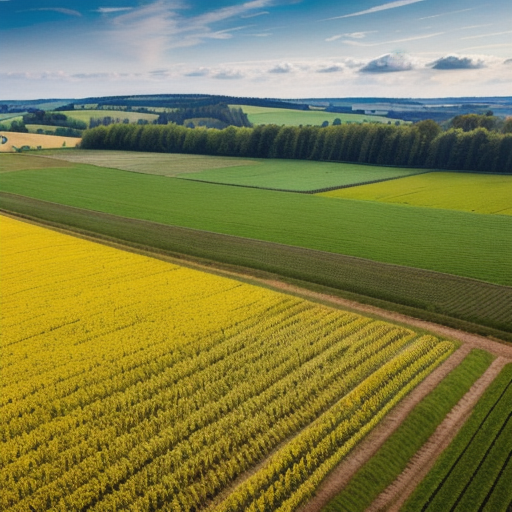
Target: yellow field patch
(133, 384)
(35, 141)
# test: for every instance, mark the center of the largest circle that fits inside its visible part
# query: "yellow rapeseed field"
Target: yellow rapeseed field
(128, 383)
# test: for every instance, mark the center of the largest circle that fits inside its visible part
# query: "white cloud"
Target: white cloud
(61, 10)
(150, 31)
(487, 35)
(451, 62)
(407, 39)
(353, 35)
(262, 13)
(446, 13)
(281, 68)
(228, 74)
(378, 8)
(108, 10)
(389, 63)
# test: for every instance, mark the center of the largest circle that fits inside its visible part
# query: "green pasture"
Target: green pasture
(295, 175)
(161, 164)
(298, 175)
(453, 242)
(85, 115)
(280, 116)
(452, 190)
(9, 118)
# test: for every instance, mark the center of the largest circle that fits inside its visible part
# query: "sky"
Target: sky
(257, 48)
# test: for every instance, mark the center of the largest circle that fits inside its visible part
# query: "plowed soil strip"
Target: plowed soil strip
(340, 476)
(395, 495)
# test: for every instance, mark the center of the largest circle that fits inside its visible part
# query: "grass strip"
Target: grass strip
(391, 459)
(456, 465)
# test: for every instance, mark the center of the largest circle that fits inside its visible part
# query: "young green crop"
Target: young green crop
(468, 475)
(452, 242)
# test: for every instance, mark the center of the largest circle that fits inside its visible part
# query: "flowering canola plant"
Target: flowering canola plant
(129, 383)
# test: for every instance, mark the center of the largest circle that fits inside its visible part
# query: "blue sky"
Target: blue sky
(264, 48)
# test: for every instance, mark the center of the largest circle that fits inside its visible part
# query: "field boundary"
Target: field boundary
(270, 261)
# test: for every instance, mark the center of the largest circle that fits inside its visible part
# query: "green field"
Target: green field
(295, 175)
(85, 115)
(392, 457)
(453, 242)
(280, 116)
(433, 296)
(455, 191)
(9, 118)
(473, 473)
(299, 175)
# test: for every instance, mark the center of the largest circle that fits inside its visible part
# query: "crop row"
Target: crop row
(393, 456)
(134, 384)
(469, 474)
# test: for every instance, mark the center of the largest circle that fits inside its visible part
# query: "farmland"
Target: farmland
(33, 140)
(299, 176)
(391, 459)
(86, 115)
(161, 164)
(288, 117)
(294, 175)
(474, 472)
(457, 191)
(432, 239)
(135, 384)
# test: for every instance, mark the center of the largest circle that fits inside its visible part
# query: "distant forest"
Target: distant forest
(423, 144)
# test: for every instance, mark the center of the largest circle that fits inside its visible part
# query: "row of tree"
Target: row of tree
(420, 145)
(53, 119)
(228, 116)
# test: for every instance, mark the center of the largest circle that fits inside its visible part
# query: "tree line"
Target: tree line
(228, 116)
(419, 145)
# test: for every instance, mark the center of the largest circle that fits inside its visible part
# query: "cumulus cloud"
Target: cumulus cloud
(330, 69)
(455, 62)
(198, 72)
(281, 68)
(389, 63)
(228, 74)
